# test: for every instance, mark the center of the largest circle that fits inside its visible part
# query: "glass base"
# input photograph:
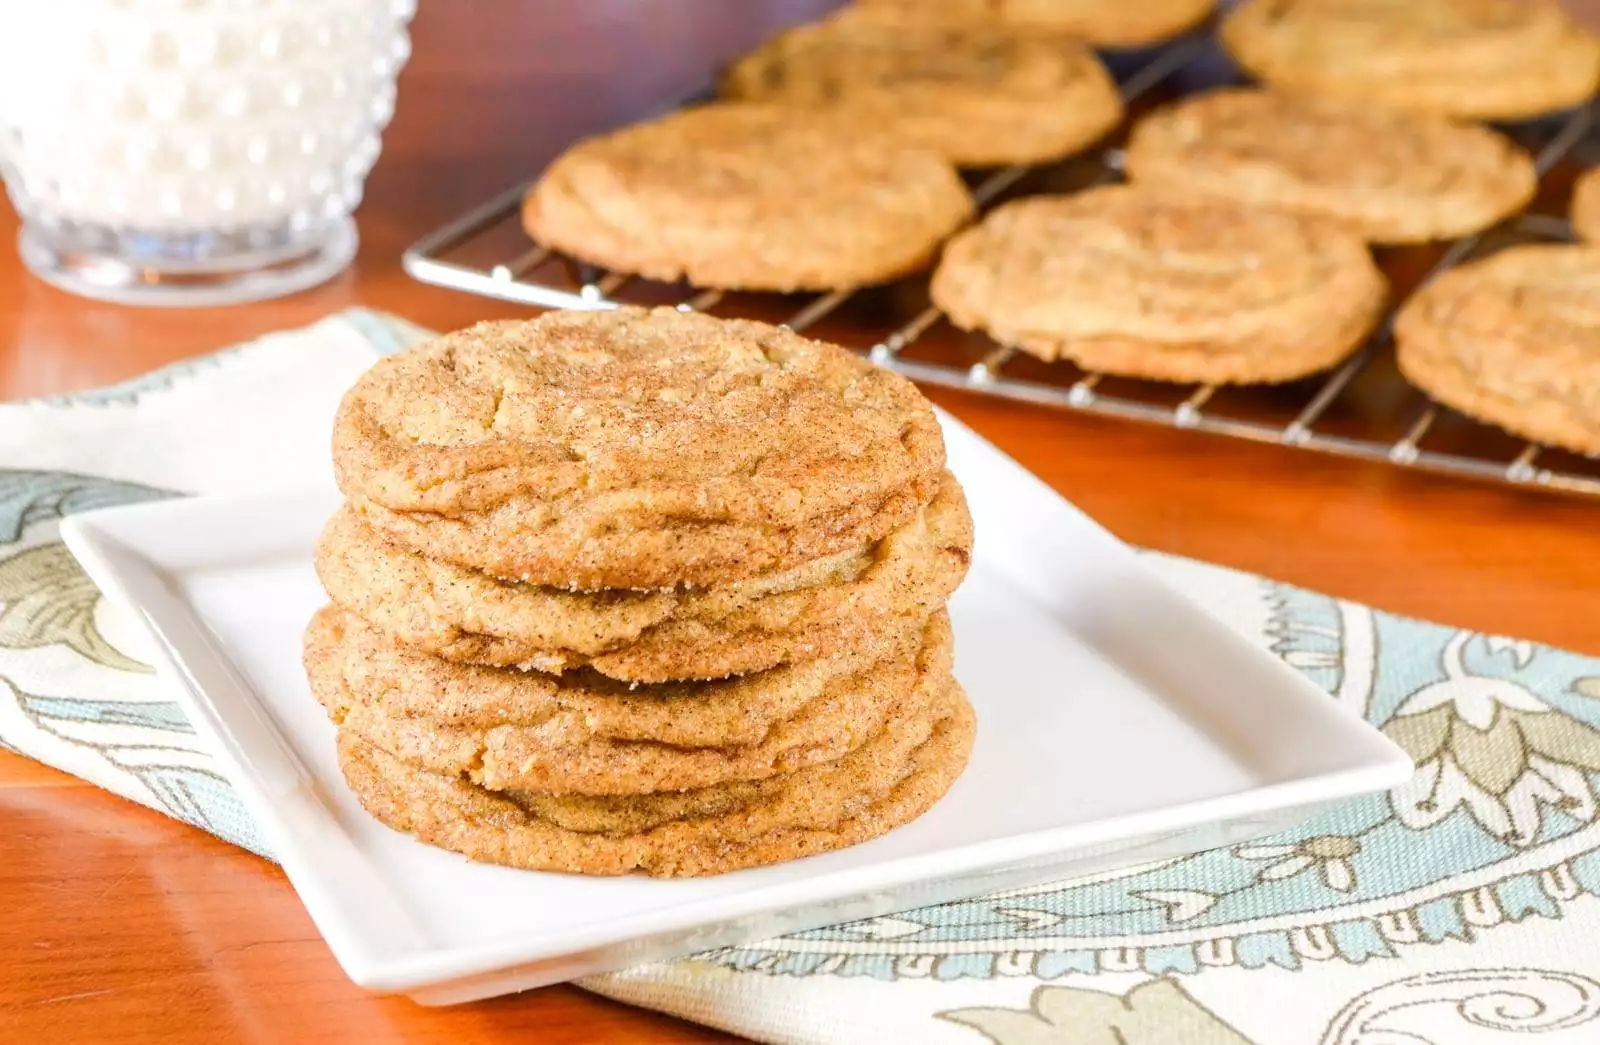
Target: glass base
(163, 276)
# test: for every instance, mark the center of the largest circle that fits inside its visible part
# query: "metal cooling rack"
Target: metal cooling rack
(1305, 422)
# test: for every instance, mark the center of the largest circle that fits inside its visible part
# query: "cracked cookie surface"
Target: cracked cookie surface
(748, 197)
(862, 598)
(1132, 281)
(1513, 339)
(634, 449)
(1484, 59)
(1392, 176)
(506, 729)
(886, 782)
(978, 94)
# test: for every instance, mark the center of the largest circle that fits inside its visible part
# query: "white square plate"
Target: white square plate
(1082, 665)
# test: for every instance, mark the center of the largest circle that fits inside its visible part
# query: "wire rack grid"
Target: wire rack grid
(1303, 423)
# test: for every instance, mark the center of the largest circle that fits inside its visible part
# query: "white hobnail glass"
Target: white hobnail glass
(193, 152)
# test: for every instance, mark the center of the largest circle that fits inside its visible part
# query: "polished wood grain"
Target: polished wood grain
(122, 926)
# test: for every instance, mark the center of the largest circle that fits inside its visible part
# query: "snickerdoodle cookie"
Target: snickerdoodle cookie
(403, 683)
(890, 780)
(634, 449)
(1486, 59)
(593, 736)
(640, 590)
(1127, 280)
(977, 94)
(1105, 23)
(862, 770)
(1392, 176)
(1584, 211)
(856, 599)
(752, 197)
(1514, 340)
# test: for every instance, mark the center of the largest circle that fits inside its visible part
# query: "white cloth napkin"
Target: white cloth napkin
(1457, 910)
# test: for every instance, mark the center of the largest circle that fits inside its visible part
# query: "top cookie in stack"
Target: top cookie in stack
(634, 450)
(751, 532)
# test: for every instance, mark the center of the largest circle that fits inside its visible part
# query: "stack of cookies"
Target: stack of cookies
(643, 591)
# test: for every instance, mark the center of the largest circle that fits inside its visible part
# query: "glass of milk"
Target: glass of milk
(193, 152)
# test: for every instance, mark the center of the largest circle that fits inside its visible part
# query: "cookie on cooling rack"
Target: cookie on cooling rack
(1126, 280)
(1514, 340)
(1104, 23)
(1392, 176)
(1486, 59)
(748, 197)
(1584, 211)
(978, 94)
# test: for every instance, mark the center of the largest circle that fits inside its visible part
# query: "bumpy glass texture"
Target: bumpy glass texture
(174, 130)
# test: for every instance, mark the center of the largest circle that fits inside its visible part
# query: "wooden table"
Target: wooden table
(121, 925)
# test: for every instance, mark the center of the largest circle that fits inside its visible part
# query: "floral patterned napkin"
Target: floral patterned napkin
(1458, 909)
